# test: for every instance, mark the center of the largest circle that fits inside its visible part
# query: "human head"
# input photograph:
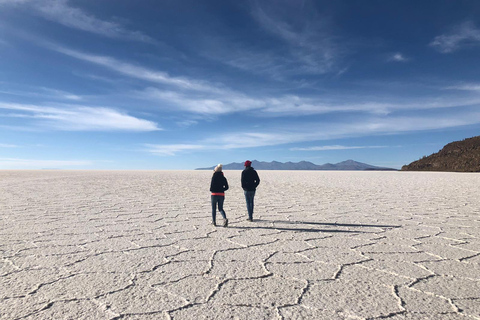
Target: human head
(218, 168)
(248, 163)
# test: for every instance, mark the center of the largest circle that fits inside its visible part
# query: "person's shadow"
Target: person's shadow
(306, 223)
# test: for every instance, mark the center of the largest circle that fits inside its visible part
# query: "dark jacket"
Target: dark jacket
(219, 183)
(250, 179)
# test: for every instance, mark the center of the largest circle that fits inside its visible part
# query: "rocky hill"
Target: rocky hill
(458, 156)
(302, 165)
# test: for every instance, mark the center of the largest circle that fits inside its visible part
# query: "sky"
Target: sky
(183, 84)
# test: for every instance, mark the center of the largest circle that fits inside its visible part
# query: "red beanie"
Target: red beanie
(248, 163)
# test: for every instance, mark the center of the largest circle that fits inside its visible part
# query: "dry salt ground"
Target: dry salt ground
(324, 245)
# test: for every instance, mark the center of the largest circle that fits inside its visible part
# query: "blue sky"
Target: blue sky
(184, 84)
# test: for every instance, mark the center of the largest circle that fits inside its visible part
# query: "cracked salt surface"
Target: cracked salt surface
(324, 245)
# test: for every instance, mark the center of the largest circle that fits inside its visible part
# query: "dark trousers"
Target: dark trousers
(218, 200)
(249, 196)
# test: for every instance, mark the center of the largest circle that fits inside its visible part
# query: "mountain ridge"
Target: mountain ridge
(302, 165)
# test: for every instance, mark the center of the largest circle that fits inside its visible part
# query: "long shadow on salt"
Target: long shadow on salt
(314, 229)
(296, 229)
(335, 224)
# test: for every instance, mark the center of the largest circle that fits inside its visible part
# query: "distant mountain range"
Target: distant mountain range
(457, 156)
(302, 165)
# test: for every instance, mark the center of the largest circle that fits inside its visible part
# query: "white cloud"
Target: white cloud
(186, 123)
(172, 149)
(4, 145)
(44, 93)
(201, 97)
(138, 72)
(291, 105)
(462, 35)
(13, 163)
(81, 118)
(322, 131)
(14, 2)
(335, 147)
(60, 94)
(312, 45)
(61, 12)
(302, 42)
(205, 104)
(398, 57)
(465, 87)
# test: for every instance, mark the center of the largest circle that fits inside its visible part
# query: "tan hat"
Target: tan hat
(218, 168)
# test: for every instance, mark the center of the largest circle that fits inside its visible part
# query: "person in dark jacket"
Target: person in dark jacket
(250, 182)
(218, 186)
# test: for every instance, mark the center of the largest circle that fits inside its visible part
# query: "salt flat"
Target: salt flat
(325, 245)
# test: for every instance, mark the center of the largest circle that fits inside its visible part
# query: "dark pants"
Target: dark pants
(219, 200)
(249, 195)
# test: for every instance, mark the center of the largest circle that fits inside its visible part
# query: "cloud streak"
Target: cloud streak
(172, 149)
(316, 131)
(202, 97)
(309, 36)
(80, 118)
(336, 147)
(230, 102)
(4, 145)
(465, 87)
(15, 163)
(138, 72)
(463, 35)
(397, 57)
(61, 12)
(44, 93)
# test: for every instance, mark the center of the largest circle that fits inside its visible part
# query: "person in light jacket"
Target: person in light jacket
(218, 186)
(250, 182)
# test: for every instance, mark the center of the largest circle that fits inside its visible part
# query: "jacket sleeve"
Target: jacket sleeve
(257, 179)
(225, 186)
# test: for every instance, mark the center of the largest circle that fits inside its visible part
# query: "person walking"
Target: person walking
(218, 186)
(250, 182)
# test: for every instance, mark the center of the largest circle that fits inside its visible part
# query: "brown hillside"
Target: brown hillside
(458, 156)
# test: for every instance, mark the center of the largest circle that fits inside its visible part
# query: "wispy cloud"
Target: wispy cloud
(80, 118)
(229, 102)
(465, 87)
(221, 102)
(44, 93)
(138, 72)
(205, 98)
(464, 34)
(309, 36)
(60, 94)
(172, 149)
(335, 147)
(186, 123)
(4, 145)
(300, 41)
(60, 11)
(398, 57)
(316, 131)
(14, 163)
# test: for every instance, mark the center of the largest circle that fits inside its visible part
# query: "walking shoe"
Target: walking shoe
(249, 219)
(214, 223)
(225, 223)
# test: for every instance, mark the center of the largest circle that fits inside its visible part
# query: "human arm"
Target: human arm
(225, 185)
(257, 179)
